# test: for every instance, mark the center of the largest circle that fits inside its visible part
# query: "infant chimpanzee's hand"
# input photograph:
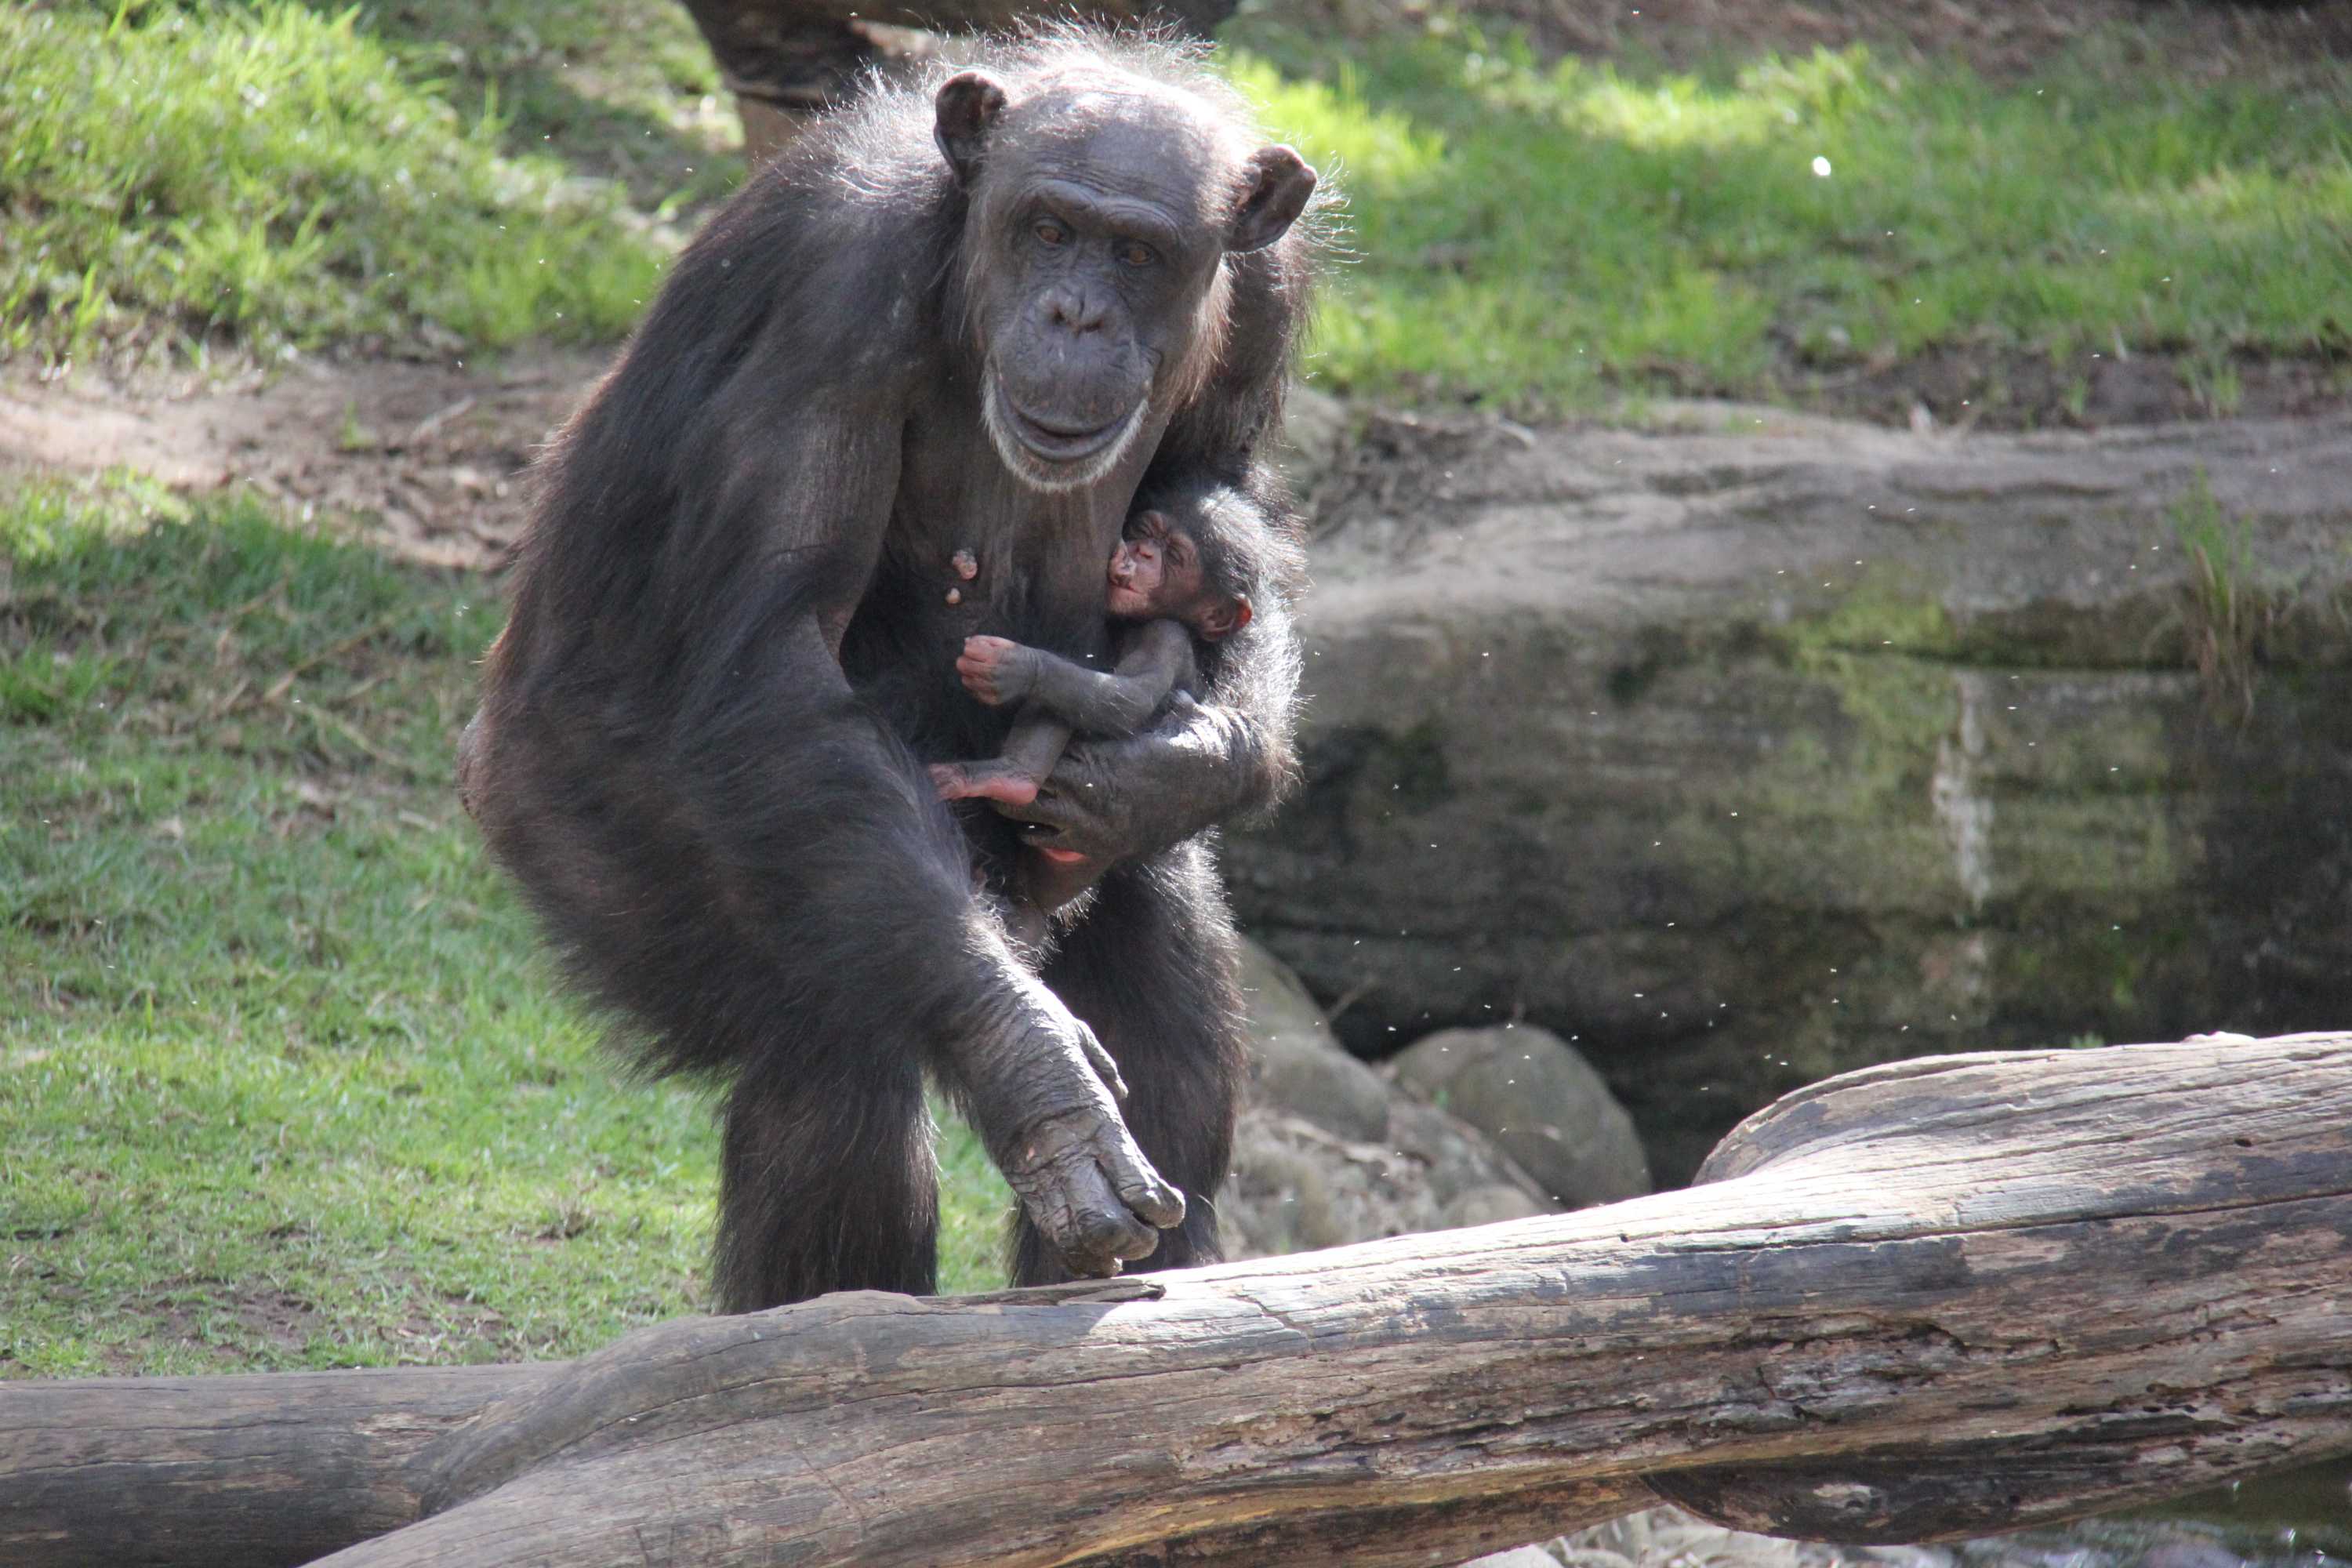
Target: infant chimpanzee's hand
(997, 670)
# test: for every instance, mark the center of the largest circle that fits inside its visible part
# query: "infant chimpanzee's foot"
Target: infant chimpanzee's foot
(983, 781)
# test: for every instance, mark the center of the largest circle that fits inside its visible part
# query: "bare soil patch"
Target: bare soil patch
(2015, 389)
(429, 458)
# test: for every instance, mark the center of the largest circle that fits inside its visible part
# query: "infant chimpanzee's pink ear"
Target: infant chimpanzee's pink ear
(1224, 620)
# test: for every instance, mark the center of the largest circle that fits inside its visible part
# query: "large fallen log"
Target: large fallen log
(1946, 1296)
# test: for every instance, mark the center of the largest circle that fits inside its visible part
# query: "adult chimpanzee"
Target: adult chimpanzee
(954, 327)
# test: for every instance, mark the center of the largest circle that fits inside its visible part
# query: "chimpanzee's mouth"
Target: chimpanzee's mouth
(1057, 452)
(1059, 440)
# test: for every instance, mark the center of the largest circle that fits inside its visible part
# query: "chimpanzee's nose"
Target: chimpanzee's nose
(1076, 308)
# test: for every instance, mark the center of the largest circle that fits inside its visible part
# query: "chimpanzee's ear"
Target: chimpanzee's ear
(969, 103)
(1279, 181)
(1224, 620)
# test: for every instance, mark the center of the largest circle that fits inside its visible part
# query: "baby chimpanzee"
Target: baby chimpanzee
(1176, 588)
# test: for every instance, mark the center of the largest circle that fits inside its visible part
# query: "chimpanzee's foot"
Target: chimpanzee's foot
(983, 781)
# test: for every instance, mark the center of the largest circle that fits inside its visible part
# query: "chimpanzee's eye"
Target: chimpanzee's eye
(1135, 253)
(1049, 232)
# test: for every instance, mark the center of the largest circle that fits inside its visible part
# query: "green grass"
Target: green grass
(429, 174)
(433, 174)
(172, 174)
(1538, 234)
(617, 89)
(283, 1081)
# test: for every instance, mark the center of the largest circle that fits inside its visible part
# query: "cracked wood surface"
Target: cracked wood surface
(1948, 1296)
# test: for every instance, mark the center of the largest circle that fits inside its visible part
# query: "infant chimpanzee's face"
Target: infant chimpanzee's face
(1155, 573)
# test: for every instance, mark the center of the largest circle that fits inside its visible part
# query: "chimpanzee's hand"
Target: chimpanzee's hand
(997, 670)
(1040, 1090)
(1108, 801)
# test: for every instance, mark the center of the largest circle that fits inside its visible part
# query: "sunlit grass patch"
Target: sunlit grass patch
(620, 90)
(265, 172)
(283, 1078)
(1538, 232)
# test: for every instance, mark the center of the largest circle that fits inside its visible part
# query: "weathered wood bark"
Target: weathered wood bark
(1950, 1295)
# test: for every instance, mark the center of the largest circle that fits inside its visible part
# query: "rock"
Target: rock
(1315, 427)
(1329, 1152)
(1517, 1557)
(1297, 1188)
(1298, 1065)
(1541, 1103)
(1740, 761)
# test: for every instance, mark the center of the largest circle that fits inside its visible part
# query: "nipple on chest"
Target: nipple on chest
(967, 566)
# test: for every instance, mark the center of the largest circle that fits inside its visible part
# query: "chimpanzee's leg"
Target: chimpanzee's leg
(827, 1184)
(1151, 968)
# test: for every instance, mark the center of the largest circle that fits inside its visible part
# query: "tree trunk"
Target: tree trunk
(1947, 1296)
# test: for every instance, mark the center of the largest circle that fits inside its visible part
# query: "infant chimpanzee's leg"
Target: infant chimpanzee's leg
(1057, 698)
(1013, 774)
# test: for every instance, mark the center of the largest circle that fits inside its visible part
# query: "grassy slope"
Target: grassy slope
(435, 173)
(283, 178)
(281, 1080)
(1540, 234)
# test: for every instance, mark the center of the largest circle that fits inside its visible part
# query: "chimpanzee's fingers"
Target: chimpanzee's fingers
(1050, 810)
(1087, 1220)
(1146, 1193)
(1110, 1235)
(980, 680)
(1101, 1060)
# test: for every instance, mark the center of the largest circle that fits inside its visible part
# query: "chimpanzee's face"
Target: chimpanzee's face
(1154, 573)
(1097, 264)
(1099, 214)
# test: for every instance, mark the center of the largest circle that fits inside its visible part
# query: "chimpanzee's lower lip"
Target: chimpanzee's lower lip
(1061, 446)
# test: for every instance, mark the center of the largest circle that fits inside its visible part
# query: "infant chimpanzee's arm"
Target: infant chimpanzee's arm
(1154, 659)
(1057, 697)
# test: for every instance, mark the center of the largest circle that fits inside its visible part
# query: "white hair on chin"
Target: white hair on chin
(1040, 474)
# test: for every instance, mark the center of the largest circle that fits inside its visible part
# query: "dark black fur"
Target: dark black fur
(1242, 556)
(735, 849)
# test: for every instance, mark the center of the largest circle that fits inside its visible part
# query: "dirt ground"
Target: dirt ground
(431, 457)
